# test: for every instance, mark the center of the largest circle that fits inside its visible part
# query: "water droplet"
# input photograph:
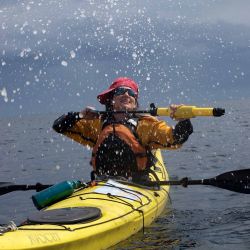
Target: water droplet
(72, 54)
(64, 63)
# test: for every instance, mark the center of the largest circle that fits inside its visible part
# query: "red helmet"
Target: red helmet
(119, 82)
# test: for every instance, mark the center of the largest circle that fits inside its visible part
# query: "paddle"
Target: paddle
(183, 111)
(7, 187)
(236, 181)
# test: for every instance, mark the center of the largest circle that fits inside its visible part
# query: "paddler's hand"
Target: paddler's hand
(173, 109)
(89, 113)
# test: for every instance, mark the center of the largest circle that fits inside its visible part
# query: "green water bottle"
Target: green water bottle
(55, 193)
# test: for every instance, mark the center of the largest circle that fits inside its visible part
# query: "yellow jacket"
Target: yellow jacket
(152, 132)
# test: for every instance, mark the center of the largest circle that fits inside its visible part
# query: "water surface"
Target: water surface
(198, 217)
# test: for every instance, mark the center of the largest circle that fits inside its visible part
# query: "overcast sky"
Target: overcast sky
(57, 55)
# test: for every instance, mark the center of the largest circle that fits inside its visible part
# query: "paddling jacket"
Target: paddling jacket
(122, 144)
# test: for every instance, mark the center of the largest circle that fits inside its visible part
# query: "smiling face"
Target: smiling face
(124, 100)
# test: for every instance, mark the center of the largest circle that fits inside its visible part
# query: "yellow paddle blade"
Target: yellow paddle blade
(187, 112)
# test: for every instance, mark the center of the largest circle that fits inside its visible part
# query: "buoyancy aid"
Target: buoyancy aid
(118, 151)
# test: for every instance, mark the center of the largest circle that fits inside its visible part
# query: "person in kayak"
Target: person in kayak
(122, 143)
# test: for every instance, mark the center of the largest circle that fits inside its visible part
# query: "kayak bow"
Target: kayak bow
(94, 217)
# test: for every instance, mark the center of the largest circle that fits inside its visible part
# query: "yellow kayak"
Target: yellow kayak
(94, 217)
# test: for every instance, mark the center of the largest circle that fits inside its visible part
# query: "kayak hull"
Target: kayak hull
(125, 208)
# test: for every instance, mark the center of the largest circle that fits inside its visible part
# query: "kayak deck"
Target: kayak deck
(126, 208)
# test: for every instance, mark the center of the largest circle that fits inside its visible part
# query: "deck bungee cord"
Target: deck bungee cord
(11, 226)
(112, 198)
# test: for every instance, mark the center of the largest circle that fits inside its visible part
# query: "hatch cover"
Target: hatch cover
(69, 215)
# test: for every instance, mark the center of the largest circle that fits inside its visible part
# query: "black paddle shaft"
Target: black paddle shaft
(236, 181)
(7, 187)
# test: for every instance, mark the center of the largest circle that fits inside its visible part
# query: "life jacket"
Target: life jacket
(118, 151)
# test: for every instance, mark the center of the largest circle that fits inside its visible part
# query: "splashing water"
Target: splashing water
(3, 93)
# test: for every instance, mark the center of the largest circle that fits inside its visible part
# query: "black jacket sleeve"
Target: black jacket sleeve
(65, 122)
(182, 131)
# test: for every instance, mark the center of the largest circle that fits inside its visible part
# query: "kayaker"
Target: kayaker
(122, 143)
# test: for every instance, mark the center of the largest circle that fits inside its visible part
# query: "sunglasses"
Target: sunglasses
(122, 91)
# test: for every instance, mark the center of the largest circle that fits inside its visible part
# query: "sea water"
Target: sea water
(198, 217)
